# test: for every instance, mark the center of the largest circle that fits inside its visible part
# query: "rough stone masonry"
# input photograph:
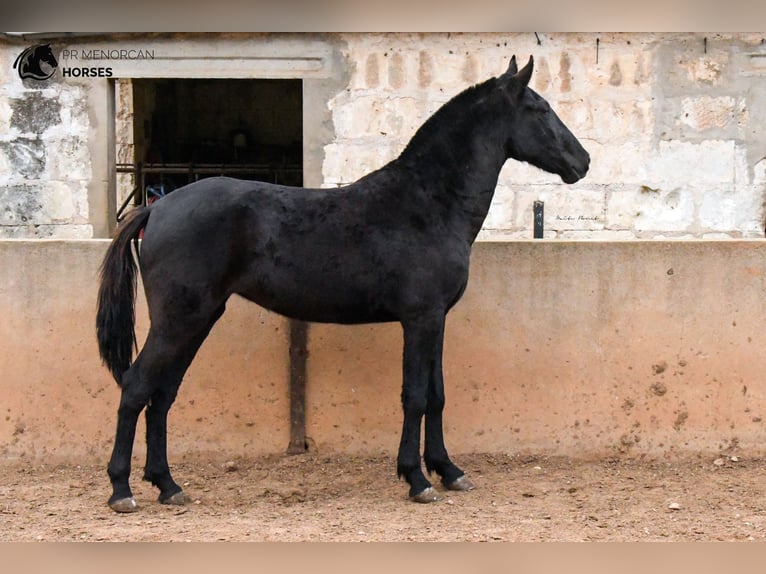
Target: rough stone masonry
(673, 123)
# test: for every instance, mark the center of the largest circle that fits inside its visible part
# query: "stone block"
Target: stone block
(651, 209)
(43, 203)
(704, 113)
(682, 162)
(22, 204)
(617, 122)
(620, 163)
(737, 209)
(26, 156)
(346, 162)
(59, 200)
(707, 69)
(68, 159)
(380, 117)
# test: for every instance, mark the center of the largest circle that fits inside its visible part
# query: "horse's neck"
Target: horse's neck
(460, 177)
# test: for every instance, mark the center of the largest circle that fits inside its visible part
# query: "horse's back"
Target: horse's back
(205, 211)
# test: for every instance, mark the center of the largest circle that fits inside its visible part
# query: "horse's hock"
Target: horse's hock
(574, 348)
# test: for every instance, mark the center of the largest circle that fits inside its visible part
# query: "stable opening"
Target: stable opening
(171, 132)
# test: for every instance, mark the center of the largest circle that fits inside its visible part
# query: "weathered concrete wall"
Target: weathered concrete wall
(576, 348)
(58, 401)
(573, 348)
(673, 123)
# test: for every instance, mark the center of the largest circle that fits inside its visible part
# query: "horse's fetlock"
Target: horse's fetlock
(150, 478)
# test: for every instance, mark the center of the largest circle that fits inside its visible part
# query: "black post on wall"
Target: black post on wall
(538, 211)
(298, 355)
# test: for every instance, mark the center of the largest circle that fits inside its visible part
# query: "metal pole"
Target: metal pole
(538, 211)
(298, 355)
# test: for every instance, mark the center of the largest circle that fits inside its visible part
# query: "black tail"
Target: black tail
(116, 315)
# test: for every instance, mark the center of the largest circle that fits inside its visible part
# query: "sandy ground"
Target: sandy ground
(324, 497)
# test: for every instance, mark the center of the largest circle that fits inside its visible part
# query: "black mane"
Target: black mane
(457, 114)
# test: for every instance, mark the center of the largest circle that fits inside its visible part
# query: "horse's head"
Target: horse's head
(536, 133)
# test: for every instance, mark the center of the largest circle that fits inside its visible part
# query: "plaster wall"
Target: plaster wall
(573, 348)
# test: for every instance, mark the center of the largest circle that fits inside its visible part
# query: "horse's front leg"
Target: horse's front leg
(435, 452)
(421, 344)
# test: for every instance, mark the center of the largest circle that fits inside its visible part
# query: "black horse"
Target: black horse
(393, 246)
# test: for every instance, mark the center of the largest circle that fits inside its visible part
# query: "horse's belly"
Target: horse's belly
(321, 301)
(315, 310)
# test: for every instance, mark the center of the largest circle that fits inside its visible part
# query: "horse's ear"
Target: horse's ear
(512, 68)
(517, 81)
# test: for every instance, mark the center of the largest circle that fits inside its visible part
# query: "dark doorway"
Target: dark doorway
(187, 129)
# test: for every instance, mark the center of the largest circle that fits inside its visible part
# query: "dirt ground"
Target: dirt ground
(322, 497)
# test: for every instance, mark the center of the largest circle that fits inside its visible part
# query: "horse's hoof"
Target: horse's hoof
(461, 483)
(178, 499)
(124, 505)
(426, 496)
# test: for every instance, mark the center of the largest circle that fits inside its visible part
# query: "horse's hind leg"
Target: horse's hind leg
(157, 470)
(155, 375)
(135, 394)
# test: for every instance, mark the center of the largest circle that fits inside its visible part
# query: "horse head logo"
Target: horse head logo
(36, 63)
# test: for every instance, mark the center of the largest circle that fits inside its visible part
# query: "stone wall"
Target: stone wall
(672, 122)
(45, 163)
